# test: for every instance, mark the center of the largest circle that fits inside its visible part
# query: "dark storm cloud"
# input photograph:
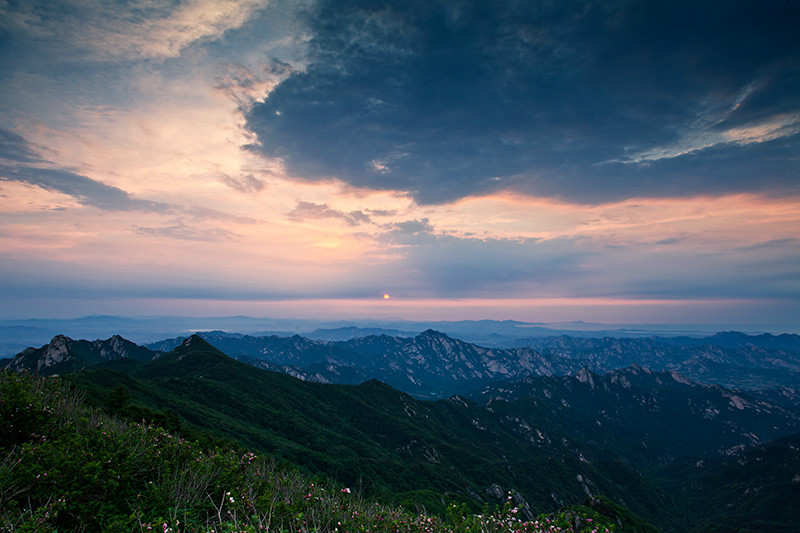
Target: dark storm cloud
(586, 101)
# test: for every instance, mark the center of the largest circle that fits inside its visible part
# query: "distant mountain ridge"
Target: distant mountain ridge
(16, 335)
(737, 339)
(731, 359)
(433, 364)
(351, 332)
(430, 364)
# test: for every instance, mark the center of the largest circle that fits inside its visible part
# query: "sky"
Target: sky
(624, 161)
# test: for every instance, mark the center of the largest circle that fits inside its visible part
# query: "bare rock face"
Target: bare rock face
(48, 358)
(584, 376)
(56, 352)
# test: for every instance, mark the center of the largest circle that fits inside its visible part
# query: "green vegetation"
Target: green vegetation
(758, 490)
(396, 449)
(68, 467)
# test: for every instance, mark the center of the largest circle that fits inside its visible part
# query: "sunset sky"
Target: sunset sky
(631, 161)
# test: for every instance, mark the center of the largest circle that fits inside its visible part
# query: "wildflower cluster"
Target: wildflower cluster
(511, 519)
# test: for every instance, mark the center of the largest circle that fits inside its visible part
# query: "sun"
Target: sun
(386, 296)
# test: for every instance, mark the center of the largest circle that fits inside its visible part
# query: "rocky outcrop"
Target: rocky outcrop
(62, 354)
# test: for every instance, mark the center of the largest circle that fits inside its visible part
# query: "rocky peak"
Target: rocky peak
(56, 352)
(680, 378)
(40, 360)
(64, 354)
(60, 342)
(196, 345)
(637, 369)
(431, 335)
(584, 376)
(194, 341)
(112, 348)
(117, 340)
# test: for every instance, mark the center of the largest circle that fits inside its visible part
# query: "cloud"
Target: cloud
(85, 190)
(410, 232)
(138, 29)
(310, 210)
(16, 148)
(437, 265)
(382, 212)
(246, 87)
(584, 101)
(178, 229)
(413, 227)
(707, 136)
(774, 246)
(669, 240)
(246, 183)
(40, 172)
(206, 213)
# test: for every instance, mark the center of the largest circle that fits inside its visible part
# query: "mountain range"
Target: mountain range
(731, 359)
(657, 442)
(434, 365)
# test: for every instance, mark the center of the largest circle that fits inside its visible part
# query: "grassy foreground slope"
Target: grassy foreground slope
(67, 467)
